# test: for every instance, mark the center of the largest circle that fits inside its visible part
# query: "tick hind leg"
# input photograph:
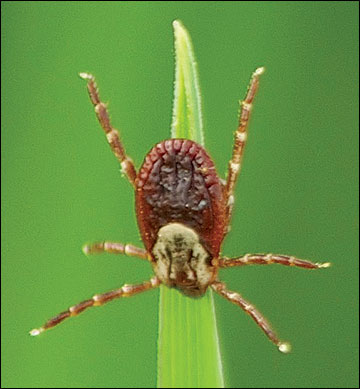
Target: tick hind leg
(98, 299)
(268, 259)
(112, 135)
(240, 140)
(236, 298)
(115, 248)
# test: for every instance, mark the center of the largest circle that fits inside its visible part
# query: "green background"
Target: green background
(61, 185)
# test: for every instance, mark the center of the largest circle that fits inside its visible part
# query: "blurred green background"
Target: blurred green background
(61, 185)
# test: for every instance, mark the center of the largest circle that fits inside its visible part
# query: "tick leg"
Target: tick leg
(112, 135)
(240, 139)
(115, 248)
(98, 299)
(236, 298)
(267, 259)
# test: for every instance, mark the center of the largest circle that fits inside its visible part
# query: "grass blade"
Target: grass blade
(187, 115)
(188, 345)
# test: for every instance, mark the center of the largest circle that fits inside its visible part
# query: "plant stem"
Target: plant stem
(188, 344)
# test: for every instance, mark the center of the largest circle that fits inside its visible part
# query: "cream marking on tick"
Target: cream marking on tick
(231, 200)
(241, 136)
(126, 288)
(246, 106)
(324, 265)
(235, 166)
(181, 259)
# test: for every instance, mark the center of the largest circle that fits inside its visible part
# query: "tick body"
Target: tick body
(183, 212)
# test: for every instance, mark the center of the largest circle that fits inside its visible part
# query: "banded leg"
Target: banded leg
(112, 135)
(115, 248)
(236, 298)
(240, 139)
(267, 259)
(98, 299)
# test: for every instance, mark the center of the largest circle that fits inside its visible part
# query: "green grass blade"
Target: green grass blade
(187, 115)
(188, 344)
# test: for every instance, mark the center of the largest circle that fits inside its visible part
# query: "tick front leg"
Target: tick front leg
(267, 259)
(112, 135)
(115, 248)
(240, 139)
(236, 298)
(98, 299)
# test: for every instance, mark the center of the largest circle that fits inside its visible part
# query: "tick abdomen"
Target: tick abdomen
(178, 183)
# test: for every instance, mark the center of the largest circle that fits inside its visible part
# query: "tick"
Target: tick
(183, 211)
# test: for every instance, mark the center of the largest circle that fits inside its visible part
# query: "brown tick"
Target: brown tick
(183, 211)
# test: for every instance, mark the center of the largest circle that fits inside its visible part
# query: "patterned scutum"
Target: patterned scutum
(178, 183)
